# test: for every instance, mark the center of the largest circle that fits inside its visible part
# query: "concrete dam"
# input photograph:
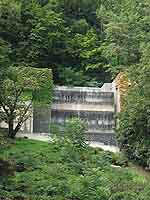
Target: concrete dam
(94, 105)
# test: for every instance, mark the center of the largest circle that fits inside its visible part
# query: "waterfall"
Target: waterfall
(94, 105)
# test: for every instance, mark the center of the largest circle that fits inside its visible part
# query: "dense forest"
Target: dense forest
(84, 42)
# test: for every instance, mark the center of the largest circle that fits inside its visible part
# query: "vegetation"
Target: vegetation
(74, 130)
(20, 84)
(20, 89)
(84, 42)
(52, 171)
(134, 130)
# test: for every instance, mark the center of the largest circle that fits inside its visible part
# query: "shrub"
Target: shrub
(146, 194)
(123, 196)
(72, 133)
(75, 131)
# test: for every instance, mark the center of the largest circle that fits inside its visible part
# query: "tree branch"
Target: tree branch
(23, 117)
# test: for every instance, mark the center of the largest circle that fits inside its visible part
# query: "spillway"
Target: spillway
(94, 105)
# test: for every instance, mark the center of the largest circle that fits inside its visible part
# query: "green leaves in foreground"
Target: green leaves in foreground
(48, 175)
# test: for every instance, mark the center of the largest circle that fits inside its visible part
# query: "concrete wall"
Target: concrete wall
(94, 105)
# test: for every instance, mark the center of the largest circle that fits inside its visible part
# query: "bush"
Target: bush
(123, 196)
(72, 133)
(68, 172)
(69, 140)
(75, 131)
(146, 194)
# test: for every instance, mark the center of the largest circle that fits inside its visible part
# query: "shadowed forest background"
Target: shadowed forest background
(84, 42)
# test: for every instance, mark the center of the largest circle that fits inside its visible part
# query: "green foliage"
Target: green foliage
(73, 77)
(124, 24)
(31, 82)
(48, 175)
(95, 38)
(133, 133)
(73, 130)
(35, 80)
(71, 139)
(124, 196)
(146, 194)
(4, 59)
(23, 87)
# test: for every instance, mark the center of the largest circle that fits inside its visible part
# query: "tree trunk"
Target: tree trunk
(17, 128)
(11, 129)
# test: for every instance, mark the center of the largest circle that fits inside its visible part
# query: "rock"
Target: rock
(116, 166)
(20, 167)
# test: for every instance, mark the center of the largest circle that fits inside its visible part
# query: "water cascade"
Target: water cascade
(95, 105)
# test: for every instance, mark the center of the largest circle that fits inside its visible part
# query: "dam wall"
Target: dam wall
(93, 105)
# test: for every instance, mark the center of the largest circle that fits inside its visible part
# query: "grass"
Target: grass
(59, 172)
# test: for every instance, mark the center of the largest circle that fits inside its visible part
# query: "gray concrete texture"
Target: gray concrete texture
(94, 105)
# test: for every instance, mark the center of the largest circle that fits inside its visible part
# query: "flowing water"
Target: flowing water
(94, 105)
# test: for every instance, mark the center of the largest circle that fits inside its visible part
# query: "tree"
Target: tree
(23, 87)
(134, 120)
(4, 64)
(4, 59)
(125, 28)
(96, 38)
